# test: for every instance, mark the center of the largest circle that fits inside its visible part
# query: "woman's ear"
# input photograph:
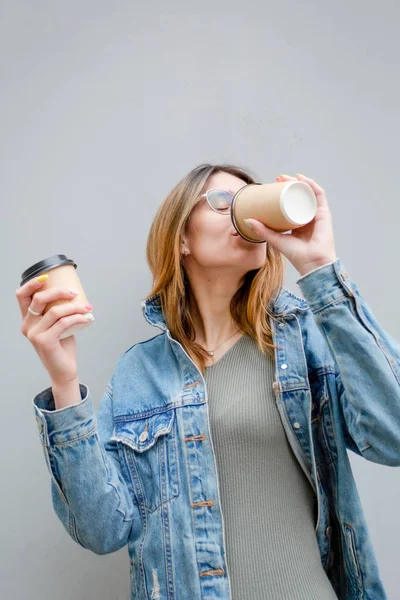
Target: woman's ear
(184, 249)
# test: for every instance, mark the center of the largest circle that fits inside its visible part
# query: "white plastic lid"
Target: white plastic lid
(298, 202)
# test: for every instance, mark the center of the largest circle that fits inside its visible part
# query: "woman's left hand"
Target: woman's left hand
(309, 246)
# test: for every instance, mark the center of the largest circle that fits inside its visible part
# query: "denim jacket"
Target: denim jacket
(142, 471)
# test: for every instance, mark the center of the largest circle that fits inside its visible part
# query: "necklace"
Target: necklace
(211, 352)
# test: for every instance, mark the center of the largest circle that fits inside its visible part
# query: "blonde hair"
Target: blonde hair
(250, 304)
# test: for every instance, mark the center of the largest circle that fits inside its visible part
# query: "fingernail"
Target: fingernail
(88, 306)
(42, 278)
(299, 175)
(248, 223)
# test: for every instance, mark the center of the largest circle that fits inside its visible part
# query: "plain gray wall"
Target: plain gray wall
(104, 107)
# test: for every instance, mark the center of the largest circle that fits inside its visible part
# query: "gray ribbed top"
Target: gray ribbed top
(266, 499)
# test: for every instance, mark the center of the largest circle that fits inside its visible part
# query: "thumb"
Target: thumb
(269, 235)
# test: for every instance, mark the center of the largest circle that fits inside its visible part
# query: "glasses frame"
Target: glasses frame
(205, 195)
(231, 213)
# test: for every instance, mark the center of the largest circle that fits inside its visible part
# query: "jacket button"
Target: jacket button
(328, 530)
(280, 324)
(143, 436)
(284, 366)
(297, 425)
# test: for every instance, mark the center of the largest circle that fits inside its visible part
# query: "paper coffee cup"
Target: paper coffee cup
(61, 273)
(281, 206)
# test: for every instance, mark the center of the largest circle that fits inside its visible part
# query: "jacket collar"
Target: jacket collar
(286, 303)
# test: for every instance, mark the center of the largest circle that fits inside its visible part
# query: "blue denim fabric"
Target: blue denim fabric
(142, 472)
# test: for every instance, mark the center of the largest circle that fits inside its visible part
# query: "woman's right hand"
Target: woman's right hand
(58, 356)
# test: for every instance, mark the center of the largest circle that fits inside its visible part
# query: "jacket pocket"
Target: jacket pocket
(149, 446)
(351, 559)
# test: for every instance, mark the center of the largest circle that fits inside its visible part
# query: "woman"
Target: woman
(218, 453)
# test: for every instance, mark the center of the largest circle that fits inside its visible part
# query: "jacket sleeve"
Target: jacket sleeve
(89, 494)
(367, 362)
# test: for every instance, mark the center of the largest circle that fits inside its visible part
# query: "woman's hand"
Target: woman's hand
(58, 356)
(309, 246)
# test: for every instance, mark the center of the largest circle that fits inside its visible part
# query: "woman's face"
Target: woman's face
(211, 238)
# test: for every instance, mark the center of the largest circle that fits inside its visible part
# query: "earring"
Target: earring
(185, 251)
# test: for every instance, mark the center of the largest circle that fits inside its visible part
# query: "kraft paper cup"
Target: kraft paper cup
(281, 206)
(61, 273)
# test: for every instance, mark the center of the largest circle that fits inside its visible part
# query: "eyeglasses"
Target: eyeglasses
(222, 201)
(219, 200)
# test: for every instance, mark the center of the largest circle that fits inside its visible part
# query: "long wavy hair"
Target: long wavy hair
(249, 306)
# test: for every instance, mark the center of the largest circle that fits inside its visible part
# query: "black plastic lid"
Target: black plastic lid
(45, 265)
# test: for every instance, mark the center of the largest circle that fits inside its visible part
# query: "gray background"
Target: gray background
(104, 107)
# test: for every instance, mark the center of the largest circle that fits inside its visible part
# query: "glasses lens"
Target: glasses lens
(220, 200)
